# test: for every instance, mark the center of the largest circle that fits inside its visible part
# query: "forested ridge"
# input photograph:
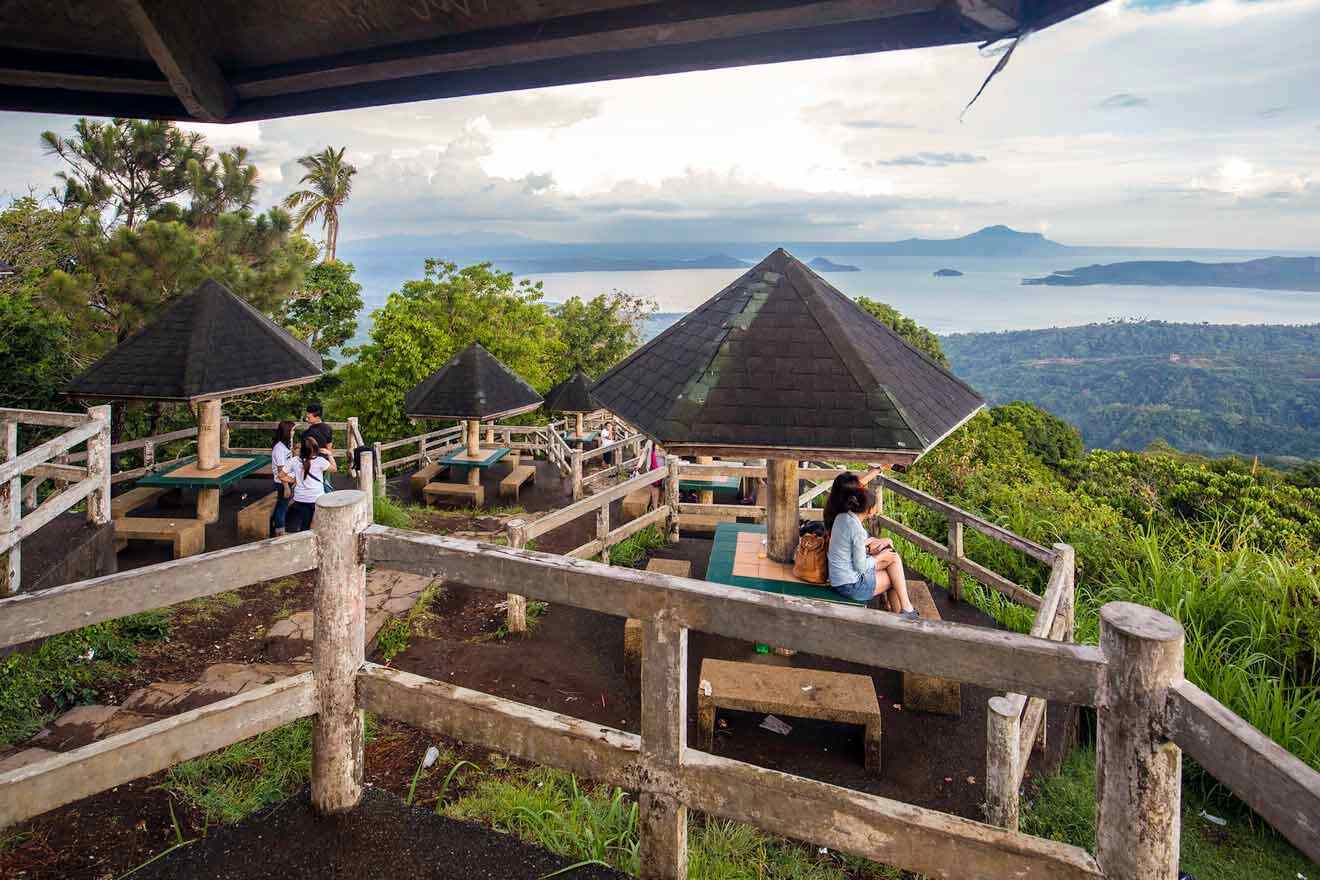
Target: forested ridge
(1207, 388)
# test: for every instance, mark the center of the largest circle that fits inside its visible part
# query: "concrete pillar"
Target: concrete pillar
(1002, 756)
(208, 457)
(706, 496)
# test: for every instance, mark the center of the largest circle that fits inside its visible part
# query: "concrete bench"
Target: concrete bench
(632, 627)
(926, 693)
(705, 523)
(636, 503)
(125, 503)
(433, 492)
(188, 536)
(254, 520)
(789, 692)
(426, 475)
(515, 478)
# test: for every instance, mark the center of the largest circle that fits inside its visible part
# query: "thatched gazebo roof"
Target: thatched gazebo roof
(473, 385)
(780, 364)
(207, 344)
(573, 395)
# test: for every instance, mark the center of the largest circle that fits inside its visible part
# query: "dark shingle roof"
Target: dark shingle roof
(573, 395)
(780, 359)
(208, 343)
(473, 385)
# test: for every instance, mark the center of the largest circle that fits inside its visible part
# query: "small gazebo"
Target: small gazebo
(205, 346)
(472, 387)
(782, 366)
(573, 396)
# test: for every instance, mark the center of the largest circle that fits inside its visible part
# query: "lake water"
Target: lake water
(988, 297)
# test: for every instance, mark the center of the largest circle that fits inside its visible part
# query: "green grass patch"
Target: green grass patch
(598, 823)
(66, 671)
(389, 513)
(635, 548)
(1064, 810)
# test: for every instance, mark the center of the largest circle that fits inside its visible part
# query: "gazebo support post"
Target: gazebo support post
(474, 449)
(781, 514)
(208, 457)
(706, 496)
(579, 432)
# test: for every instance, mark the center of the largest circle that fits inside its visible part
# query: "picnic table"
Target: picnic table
(580, 439)
(718, 486)
(738, 558)
(465, 463)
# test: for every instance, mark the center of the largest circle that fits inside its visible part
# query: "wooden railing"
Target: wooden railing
(627, 451)
(90, 482)
(520, 533)
(1148, 713)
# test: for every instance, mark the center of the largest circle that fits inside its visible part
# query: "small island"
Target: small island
(947, 273)
(1270, 273)
(822, 264)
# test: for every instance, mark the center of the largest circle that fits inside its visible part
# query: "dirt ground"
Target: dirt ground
(382, 839)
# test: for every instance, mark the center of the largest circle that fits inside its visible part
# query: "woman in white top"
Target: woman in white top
(281, 451)
(606, 438)
(306, 475)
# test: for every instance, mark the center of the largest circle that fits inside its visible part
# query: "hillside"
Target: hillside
(1270, 273)
(1213, 389)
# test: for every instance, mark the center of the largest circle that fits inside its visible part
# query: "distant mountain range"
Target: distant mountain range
(823, 264)
(551, 265)
(1271, 273)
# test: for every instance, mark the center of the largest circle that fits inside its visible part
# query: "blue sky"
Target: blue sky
(1175, 124)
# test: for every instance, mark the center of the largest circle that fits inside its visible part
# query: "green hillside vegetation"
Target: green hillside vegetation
(1205, 388)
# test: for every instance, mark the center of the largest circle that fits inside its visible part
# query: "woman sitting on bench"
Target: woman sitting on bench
(861, 567)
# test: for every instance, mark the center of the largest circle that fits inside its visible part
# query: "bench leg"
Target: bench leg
(705, 722)
(872, 746)
(632, 649)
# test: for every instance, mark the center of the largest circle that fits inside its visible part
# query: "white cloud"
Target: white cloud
(1189, 125)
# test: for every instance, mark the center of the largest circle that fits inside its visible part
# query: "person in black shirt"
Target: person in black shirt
(318, 429)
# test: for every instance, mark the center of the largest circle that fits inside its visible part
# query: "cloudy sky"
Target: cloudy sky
(1193, 125)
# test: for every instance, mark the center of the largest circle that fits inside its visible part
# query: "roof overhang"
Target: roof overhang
(229, 61)
(222, 395)
(489, 417)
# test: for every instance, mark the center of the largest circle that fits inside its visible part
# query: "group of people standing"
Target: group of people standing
(300, 478)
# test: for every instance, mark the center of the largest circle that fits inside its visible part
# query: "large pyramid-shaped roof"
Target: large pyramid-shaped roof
(206, 344)
(573, 395)
(781, 361)
(473, 385)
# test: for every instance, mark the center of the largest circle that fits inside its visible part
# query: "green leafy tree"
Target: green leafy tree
(34, 347)
(1048, 436)
(913, 333)
(428, 320)
(600, 332)
(329, 181)
(323, 312)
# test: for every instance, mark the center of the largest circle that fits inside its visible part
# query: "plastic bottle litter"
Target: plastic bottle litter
(1214, 819)
(774, 725)
(432, 755)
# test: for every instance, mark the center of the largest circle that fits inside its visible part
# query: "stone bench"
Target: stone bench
(926, 693)
(426, 475)
(636, 503)
(125, 503)
(188, 536)
(705, 523)
(254, 520)
(433, 492)
(632, 627)
(515, 478)
(793, 693)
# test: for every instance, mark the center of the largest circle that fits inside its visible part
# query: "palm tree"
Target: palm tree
(331, 180)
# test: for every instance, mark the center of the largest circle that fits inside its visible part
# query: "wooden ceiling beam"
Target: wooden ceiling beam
(170, 33)
(1000, 16)
(652, 26)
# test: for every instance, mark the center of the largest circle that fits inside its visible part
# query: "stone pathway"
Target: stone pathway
(288, 645)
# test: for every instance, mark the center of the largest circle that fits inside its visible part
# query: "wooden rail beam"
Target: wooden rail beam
(37, 615)
(991, 658)
(32, 790)
(46, 451)
(1266, 776)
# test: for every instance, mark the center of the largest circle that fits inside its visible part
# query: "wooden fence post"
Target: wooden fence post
(98, 467)
(11, 512)
(149, 455)
(577, 474)
(366, 482)
(672, 497)
(1002, 748)
(603, 531)
(663, 825)
(379, 462)
(1138, 771)
(955, 553)
(339, 608)
(224, 435)
(515, 615)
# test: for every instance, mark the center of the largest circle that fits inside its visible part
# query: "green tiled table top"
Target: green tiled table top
(720, 568)
(163, 478)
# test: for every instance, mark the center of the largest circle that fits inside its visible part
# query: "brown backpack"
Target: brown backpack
(810, 562)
